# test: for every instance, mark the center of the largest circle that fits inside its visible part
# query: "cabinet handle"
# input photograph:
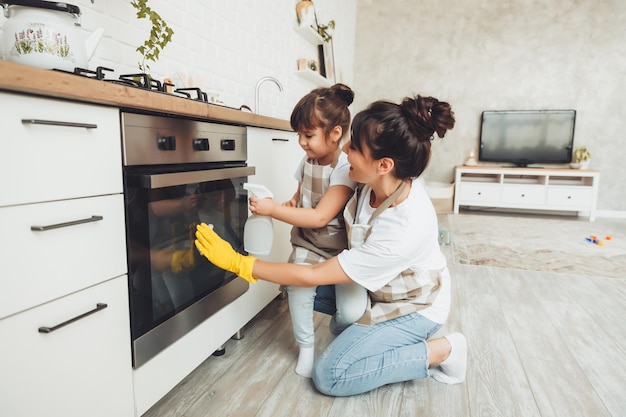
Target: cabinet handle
(279, 140)
(57, 123)
(66, 224)
(99, 306)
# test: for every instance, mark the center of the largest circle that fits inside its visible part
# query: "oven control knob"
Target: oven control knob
(167, 143)
(201, 144)
(227, 144)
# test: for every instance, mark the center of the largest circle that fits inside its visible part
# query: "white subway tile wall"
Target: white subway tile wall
(223, 47)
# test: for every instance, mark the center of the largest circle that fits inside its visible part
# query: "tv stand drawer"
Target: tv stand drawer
(570, 196)
(524, 195)
(483, 193)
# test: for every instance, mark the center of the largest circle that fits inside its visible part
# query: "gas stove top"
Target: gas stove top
(145, 82)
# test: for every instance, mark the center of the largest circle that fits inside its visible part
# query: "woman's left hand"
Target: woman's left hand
(222, 254)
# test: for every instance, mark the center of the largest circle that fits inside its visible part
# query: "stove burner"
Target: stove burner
(200, 95)
(140, 80)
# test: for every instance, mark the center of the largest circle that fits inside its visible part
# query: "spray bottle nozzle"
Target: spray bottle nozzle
(259, 191)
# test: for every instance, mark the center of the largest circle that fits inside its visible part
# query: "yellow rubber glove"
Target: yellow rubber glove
(221, 254)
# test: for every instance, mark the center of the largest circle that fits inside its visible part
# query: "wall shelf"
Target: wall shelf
(310, 34)
(314, 38)
(314, 77)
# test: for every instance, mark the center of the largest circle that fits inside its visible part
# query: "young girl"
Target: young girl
(394, 253)
(321, 119)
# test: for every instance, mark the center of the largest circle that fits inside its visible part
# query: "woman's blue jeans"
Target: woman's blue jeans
(363, 358)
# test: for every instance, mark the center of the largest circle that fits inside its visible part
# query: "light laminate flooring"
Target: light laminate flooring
(540, 345)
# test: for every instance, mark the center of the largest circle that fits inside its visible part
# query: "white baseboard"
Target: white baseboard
(614, 214)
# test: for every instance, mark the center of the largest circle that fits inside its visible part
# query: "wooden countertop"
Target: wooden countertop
(30, 80)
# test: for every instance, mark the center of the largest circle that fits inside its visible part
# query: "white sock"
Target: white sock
(306, 358)
(452, 370)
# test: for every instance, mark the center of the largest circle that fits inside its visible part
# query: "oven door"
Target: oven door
(172, 287)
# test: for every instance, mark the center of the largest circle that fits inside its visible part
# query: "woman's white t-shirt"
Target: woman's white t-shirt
(402, 237)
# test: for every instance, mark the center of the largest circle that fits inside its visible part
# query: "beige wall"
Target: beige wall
(513, 54)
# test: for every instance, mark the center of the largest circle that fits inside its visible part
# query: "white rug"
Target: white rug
(538, 243)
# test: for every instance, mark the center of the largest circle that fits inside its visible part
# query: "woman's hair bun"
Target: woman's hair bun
(427, 115)
(343, 91)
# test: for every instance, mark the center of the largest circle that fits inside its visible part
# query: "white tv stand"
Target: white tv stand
(560, 189)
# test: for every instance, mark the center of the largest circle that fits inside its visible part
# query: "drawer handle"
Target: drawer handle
(66, 224)
(56, 123)
(280, 140)
(99, 306)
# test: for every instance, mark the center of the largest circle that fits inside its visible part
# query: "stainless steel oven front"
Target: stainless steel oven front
(177, 173)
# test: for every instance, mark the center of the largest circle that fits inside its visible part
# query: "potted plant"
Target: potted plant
(582, 157)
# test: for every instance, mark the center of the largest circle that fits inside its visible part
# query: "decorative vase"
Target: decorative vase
(585, 164)
(305, 10)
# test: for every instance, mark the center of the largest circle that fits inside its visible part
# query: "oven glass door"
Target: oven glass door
(167, 275)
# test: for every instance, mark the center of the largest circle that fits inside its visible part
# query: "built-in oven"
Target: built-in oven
(178, 173)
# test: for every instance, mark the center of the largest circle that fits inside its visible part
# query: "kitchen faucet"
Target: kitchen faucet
(258, 86)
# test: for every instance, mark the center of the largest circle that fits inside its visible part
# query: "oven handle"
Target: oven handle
(189, 177)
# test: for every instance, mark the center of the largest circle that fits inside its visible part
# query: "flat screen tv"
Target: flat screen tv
(524, 137)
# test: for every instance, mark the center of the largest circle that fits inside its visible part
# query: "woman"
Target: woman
(394, 253)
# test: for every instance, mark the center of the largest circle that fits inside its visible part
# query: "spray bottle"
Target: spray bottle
(258, 232)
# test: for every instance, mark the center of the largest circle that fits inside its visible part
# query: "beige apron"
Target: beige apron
(321, 242)
(407, 293)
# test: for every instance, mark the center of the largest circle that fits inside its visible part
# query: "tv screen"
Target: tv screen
(524, 137)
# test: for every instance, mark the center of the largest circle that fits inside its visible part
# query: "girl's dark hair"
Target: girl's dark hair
(324, 108)
(402, 132)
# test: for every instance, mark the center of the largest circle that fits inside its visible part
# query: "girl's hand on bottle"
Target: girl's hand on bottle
(261, 206)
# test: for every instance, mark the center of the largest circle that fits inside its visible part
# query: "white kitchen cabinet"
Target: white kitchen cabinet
(80, 369)
(64, 316)
(57, 150)
(56, 248)
(527, 189)
(275, 154)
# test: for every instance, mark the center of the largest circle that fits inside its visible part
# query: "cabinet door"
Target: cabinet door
(80, 369)
(479, 193)
(276, 155)
(53, 149)
(79, 243)
(571, 197)
(524, 195)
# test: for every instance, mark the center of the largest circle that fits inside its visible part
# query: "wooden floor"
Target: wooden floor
(540, 344)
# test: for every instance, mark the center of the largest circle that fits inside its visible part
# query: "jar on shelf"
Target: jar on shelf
(305, 11)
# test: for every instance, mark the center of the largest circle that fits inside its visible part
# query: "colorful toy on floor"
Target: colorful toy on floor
(594, 239)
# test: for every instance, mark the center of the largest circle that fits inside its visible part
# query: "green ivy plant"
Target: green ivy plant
(160, 34)
(325, 30)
